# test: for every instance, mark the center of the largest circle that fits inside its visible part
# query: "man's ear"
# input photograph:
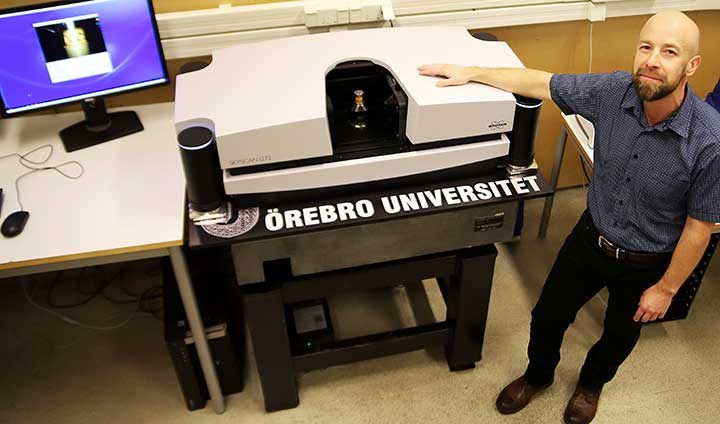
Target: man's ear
(693, 65)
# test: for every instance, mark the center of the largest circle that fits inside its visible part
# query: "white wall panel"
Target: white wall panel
(198, 33)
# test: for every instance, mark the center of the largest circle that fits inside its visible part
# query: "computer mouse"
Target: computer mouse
(14, 223)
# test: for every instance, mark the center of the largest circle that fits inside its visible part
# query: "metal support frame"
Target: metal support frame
(469, 272)
(559, 153)
(472, 285)
(265, 317)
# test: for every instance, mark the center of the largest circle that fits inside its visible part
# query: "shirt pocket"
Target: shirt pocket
(663, 198)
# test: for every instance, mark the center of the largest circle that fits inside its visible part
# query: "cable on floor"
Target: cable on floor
(145, 302)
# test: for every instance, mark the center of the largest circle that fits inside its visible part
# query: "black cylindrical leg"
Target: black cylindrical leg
(203, 176)
(522, 137)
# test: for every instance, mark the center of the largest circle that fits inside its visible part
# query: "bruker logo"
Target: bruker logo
(497, 124)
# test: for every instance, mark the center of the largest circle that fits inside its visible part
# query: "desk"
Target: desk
(129, 204)
(571, 129)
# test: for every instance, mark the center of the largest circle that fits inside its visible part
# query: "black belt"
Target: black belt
(616, 252)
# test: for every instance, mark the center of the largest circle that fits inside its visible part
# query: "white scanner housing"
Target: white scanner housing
(266, 104)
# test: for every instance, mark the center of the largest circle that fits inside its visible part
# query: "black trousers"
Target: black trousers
(580, 271)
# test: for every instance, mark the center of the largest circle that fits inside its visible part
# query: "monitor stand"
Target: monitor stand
(99, 126)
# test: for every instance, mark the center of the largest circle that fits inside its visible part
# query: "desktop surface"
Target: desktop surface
(582, 133)
(131, 196)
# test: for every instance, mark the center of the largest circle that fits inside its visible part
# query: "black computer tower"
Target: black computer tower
(220, 310)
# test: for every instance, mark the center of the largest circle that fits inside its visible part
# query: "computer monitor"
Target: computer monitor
(80, 51)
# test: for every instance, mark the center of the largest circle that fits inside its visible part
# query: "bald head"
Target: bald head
(674, 27)
(666, 56)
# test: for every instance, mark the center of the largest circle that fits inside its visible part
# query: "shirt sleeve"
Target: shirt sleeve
(581, 93)
(704, 194)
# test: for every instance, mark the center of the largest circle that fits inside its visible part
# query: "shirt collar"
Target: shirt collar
(678, 121)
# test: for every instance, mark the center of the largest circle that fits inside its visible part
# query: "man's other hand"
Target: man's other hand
(453, 74)
(654, 303)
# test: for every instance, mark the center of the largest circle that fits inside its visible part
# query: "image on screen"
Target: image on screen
(58, 53)
(74, 48)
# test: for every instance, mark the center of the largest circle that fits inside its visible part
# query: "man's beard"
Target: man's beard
(650, 92)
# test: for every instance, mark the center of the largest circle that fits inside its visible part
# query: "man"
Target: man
(651, 205)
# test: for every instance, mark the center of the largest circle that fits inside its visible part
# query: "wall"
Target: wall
(564, 48)
(162, 6)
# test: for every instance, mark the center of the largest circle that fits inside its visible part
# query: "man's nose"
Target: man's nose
(654, 60)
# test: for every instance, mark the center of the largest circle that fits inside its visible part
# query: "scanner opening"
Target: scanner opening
(379, 127)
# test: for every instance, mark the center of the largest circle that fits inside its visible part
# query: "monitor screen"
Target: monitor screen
(64, 52)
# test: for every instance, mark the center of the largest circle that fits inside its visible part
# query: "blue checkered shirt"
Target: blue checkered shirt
(646, 179)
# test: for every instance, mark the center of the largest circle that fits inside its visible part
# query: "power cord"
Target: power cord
(51, 289)
(35, 166)
(73, 321)
(25, 159)
(146, 297)
(144, 302)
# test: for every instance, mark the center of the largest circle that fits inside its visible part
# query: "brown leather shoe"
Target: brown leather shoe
(582, 406)
(517, 395)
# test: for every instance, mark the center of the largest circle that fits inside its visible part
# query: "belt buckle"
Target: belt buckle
(602, 239)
